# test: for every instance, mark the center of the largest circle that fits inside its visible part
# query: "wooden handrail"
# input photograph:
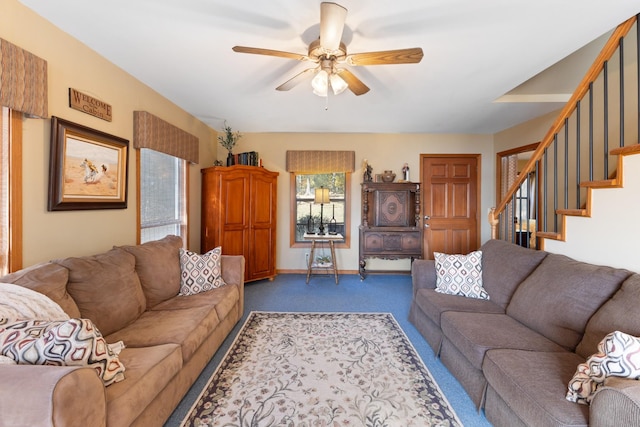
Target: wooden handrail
(596, 68)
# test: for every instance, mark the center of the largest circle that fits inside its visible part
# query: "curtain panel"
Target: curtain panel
(152, 132)
(317, 162)
(23, 81)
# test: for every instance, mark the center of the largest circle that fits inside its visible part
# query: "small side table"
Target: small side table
(323, 238)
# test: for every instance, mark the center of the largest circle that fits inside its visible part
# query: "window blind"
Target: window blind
(318, 162)
(152, 132)
(23, 80)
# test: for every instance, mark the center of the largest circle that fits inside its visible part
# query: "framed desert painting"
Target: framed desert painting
(87, 169)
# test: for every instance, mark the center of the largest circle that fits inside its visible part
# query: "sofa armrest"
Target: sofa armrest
(423, 274)
(51, 396)
(616, 404)
(233, 274)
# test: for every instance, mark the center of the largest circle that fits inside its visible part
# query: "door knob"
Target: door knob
(427, 217)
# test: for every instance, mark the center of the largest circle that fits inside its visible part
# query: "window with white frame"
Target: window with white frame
(163, 198)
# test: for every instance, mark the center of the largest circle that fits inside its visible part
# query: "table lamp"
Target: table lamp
(322, 197)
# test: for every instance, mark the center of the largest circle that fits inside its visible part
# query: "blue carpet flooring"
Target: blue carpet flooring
(377, 293)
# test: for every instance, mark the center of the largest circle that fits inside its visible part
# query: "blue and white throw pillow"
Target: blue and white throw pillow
(200, 273)
(460, 275)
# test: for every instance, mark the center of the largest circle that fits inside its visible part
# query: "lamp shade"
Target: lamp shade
(322, 195)
(320, 83)
(338, 85)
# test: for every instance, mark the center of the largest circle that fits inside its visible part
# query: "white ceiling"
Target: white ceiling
(475, 51)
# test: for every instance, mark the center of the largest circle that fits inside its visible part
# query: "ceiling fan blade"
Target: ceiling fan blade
(332, 17)
(295, 80)
(270, 52)
(355, 84)
(400, 56)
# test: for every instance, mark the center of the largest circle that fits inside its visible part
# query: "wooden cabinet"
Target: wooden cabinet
(239, 214)
(390, 226)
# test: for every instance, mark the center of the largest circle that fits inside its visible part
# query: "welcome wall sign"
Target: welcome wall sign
(90, 105)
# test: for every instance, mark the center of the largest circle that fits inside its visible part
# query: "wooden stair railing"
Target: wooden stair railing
(502, 225)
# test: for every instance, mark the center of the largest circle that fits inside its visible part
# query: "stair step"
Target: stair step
(630, 149)
(605, 183)
(549, 235)
(572, 212)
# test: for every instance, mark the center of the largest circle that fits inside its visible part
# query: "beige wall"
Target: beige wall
(70, 64)
(525, 133)
(383, 151)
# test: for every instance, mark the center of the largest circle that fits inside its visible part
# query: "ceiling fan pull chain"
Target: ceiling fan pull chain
(326, 105)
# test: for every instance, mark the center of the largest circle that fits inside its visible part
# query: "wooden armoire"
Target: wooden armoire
(239, 214)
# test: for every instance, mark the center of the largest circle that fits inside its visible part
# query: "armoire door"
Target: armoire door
(234, 221)
(262, 243)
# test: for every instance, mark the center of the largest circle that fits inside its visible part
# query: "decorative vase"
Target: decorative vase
(388, 176)
(230, 161)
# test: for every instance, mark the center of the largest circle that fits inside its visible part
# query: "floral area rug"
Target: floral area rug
(321, 369)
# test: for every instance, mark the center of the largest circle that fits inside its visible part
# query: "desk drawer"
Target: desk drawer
(400, 242)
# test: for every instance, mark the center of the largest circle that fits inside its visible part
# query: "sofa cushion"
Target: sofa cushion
(158, 266)
(224, 299)
(187, 327)
(618, 356)
(505, 266)
(106, 288)
(200, 273)
(559, 297)
(72, 342)
(49, 279)
(460, 275)
(149, 370)
(613, 316)
(533, 384)
(473, 334)
(433, 304)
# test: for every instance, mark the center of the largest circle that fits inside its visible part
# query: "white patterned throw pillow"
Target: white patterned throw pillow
(72, 342)
(618, 356)
(200, 273)
(460, 275)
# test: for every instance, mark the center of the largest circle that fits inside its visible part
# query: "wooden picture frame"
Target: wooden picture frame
(87, 168)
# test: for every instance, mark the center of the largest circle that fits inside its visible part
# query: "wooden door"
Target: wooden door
(262, 245)
(451, 203)
(234, 218)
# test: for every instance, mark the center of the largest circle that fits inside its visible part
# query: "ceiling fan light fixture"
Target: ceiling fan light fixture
(338, 85)
(320, 83)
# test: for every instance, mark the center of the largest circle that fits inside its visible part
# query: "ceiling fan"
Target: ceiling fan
(330, 55)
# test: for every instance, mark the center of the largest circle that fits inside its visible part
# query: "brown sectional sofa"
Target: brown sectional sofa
(130, 293)
(515, 353)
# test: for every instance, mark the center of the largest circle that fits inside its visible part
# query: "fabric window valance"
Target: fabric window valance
(23, 80)
(317, 162)
(152, 132)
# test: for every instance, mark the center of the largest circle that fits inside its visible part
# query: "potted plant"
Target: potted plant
(228, 141)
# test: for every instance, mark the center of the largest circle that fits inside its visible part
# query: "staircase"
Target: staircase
(609, 235)
(582, 151)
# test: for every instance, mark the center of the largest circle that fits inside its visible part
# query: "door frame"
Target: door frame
(478, 158)
(506, 153)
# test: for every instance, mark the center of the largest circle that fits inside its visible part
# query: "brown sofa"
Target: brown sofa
(130, 293)
(515, 353)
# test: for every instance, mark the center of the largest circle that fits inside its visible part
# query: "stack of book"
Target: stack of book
(250, 158)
